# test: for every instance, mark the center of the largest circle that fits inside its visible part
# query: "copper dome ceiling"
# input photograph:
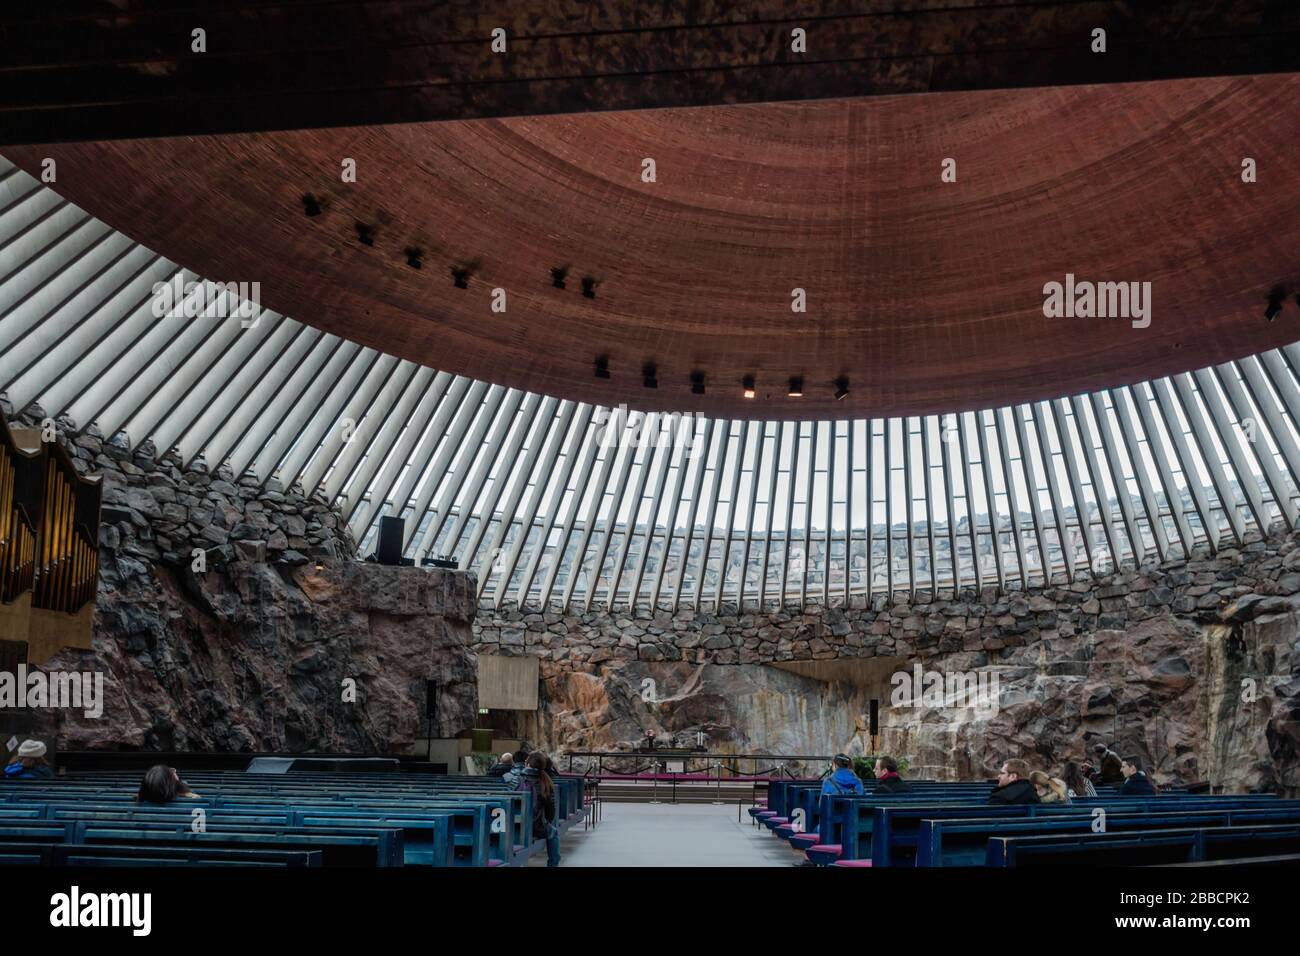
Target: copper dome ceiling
(926, 295)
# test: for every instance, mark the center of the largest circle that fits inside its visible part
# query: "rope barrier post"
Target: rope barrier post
(654, 772)
(719, 801)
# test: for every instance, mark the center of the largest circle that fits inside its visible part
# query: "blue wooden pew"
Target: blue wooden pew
(1149, 847)
(964, 842)
(850, 822)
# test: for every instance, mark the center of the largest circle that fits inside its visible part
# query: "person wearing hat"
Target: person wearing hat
(842, 781)
(29, 762)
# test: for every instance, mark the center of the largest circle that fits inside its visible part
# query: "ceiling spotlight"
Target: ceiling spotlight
(697, 383)
(841, 388)
(311, 205)
(557, 278)
(796, 387)
(588, 287)
(648, 376)
(460, 278)
(602, 366)
(1276, 297)
(413, 257)
(748, 383)
(365, 234)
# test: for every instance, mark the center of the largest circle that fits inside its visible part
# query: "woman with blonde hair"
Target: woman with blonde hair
(1050, 789)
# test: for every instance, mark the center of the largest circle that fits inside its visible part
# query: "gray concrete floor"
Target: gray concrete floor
(644, 834)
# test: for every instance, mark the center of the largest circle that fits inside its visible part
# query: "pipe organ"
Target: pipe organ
(49, 545)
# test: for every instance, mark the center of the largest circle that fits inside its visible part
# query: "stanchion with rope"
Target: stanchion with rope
(654, 770)
(719, 802)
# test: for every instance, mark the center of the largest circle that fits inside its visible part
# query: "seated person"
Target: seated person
(1109, 764)
(29, 762)
(887, 778)
(512, 776)
(1050, 789)
(1014, 785)
(502, 766)
(162, 784)
(842, 781)
(1077, 782)
(1136, 781)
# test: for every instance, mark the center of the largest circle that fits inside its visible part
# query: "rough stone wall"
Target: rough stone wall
(1193, 665)
(250, 650)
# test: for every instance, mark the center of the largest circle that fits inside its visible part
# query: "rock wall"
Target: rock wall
(252, 646)
(1193, 665)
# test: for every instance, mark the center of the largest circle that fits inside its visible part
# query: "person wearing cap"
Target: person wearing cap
(29, 762)
(842, 781)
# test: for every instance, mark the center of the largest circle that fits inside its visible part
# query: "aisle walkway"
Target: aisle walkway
(643, 834)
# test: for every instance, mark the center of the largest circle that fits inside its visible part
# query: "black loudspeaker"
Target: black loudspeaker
(389, 550)
(874, 718)
(430, 699)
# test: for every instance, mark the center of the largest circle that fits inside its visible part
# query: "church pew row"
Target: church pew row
(358, 846)
(845, 824)
(426, 840)
(507, 814)
(852, 822)
(434, 821)
(65, 854)
(894, 834)
(1144, 847)
(958, 842)
(234, 786)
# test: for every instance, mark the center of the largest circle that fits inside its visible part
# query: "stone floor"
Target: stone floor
(645, 834)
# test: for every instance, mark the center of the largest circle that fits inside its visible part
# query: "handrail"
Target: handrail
(670, 753)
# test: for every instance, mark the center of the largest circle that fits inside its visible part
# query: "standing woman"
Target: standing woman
(536, 781)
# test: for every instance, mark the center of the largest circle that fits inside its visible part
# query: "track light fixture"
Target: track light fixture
(558, 276)
(1276, 299)
(796, 387)
(649, 378)
(588, 287)
(311, 205)
(748, 383)
(365, 234)
(841, 388)
(413, 257)
(460, 278)
(602, 366)
(697, 383)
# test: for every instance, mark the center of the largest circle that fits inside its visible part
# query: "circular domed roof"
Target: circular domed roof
(926, 295)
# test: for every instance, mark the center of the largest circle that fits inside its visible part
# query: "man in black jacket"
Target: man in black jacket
(1014, 785)
(1135, 781)
(887, 778)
